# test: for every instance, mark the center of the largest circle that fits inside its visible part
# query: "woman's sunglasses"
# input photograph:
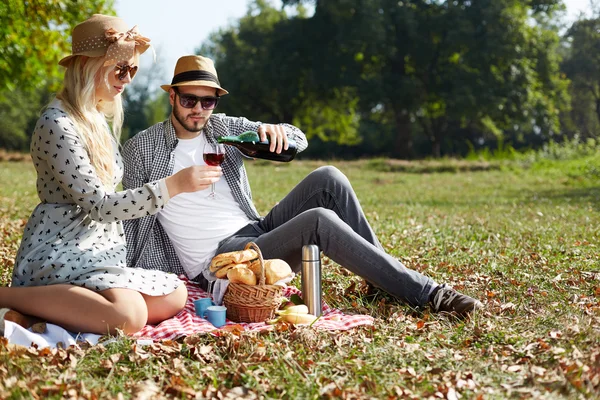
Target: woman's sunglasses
(190, 101)
(121, 71)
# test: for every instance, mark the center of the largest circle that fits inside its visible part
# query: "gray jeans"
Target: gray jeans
(324, 210)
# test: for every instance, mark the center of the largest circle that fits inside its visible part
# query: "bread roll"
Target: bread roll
(241, 274)
(222, 273)
(275, 270)
(233, 257)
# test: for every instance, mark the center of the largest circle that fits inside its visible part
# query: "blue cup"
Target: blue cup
(201, 305)
(216, 315)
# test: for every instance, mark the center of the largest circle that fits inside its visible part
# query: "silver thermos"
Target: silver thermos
(311, 278)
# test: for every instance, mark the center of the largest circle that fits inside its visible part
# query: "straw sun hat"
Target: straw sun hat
(105, 35)
(195, 71)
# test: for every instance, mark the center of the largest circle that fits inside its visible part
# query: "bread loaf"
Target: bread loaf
(275, 270)
(241, 274)
(233, 257)
(222, 272)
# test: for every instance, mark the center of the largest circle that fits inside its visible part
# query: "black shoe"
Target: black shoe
(446, 299)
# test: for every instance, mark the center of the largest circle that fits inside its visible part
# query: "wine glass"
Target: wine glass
(214, 155)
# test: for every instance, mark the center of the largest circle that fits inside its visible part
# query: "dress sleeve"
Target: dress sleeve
(237, 126)
(66, 156)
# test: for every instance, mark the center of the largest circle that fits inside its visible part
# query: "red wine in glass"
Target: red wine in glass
(214, 159)
(214, 155)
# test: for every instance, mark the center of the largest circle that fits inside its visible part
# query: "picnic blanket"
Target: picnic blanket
(183, 324)
(187, 322)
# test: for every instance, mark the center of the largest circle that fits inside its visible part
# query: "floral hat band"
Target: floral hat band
(103, 35)
(122, 44)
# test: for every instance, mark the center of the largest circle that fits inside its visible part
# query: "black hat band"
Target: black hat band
(194, 76)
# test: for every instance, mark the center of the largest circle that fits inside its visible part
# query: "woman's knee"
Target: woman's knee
(161, 308)
(174, 302)
(129, 312)
(134, 317)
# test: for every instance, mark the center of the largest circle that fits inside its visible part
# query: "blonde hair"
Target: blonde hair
(82, 77)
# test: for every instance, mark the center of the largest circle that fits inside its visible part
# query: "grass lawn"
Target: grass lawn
(525, 241)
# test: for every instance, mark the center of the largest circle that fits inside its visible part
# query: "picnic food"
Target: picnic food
(233, 257)
(296, 315)
(244, 267)
(241, 274)
(222, 272)
(275, 270)
(252, 303)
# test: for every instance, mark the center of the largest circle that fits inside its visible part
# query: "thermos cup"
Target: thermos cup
(311, 279)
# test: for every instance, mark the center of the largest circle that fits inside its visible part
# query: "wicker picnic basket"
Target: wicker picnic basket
(252, 303)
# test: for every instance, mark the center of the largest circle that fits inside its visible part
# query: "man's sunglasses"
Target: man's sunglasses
(121, 71)
(190, 101)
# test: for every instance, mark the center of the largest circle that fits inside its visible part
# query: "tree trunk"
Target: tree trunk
(598, 108)
(439, 127)
(403, 144)
(436, 147)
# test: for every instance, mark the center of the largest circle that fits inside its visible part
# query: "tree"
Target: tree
(35, 35)
(444, 73)
(18, 113)
(267, 61)
(582, 67)
(442, 67)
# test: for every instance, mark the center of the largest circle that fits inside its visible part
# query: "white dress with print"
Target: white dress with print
(75, 235)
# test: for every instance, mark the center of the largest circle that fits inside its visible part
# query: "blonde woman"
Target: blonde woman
(70, 268)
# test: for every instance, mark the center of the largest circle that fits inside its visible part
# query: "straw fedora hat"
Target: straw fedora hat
(195, 71)
(105, 35)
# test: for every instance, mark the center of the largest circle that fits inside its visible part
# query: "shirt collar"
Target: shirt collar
(170, 135)
(58, 104)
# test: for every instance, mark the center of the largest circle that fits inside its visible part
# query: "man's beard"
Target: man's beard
(189, 126)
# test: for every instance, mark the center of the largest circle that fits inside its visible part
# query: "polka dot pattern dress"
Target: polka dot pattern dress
(75, 235)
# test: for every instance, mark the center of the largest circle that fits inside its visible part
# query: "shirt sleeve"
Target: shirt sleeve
(62, 148)
(239, 125)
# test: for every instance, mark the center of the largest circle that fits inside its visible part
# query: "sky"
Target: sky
(178, 27)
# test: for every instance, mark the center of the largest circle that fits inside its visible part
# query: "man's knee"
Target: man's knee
(321, 217)
(330, 176)
(329, 172)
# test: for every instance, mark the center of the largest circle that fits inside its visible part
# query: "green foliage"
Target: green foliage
(446, 73)
(18, 111)
(503, 151)
(35, 35)
(582, 66)
(336, 119)
(582, 156)
(568, 150)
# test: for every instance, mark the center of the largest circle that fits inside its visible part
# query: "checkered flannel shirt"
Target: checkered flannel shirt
(149, 156)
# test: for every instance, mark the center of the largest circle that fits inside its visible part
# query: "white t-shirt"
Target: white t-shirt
(194, 223)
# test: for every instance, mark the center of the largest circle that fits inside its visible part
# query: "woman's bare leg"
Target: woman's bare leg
(164, 307)
(78, 309)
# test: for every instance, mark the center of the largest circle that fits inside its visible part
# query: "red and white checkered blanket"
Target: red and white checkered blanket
(188, 323)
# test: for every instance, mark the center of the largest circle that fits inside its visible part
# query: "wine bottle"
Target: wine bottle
(249, 143)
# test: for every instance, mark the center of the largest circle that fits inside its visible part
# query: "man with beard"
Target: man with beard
(191, 229)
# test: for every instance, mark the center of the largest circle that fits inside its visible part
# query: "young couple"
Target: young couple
(73, 267)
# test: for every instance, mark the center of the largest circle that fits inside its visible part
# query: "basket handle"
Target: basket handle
(261, 278)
